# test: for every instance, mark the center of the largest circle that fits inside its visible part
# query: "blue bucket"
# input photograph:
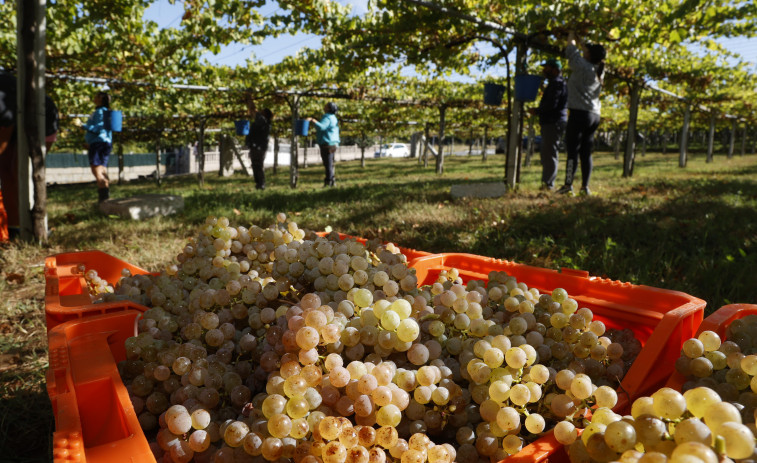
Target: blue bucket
(243, 127)
(301, 127)
(493, 93)
(527, 87)
(113, 120)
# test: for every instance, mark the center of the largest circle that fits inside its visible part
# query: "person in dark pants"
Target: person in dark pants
(553, 114)
(327, 137)
(257, 142)
(99, 143)
(10, 219)
(584, 86)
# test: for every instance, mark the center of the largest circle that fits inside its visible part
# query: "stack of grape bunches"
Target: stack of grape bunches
(268, 344)
(712, 421)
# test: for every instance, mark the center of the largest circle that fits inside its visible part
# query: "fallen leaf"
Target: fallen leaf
(14, 278)
(237, 211)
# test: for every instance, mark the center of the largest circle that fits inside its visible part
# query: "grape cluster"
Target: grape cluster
(97, 287)
(729, 367)
(696, 426)
(713, 419)
(274, 343)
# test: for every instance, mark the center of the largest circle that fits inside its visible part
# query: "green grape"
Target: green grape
(388, 415)
(693, 348)
(668, 403)
(606, 396)
(710, 340)
(516, 358)
(363, 298)
(581, 386)
(512, 444)
(649, 430)
(701, 367)
(720, 413)
(739, 440)
(717, 358)
(559, 295)
(493, 357)
(699, 399)
(499, 391)
(390, 320)
(738, 378)
(694, 451)
(598, 449)
(520, 395)
(620, 436)
(408, 330)
(235, 433)
(279, 425)
(535, 423)
(508, 418)
(565, 432)
(692, 430)
(592, 428)
(604, 416)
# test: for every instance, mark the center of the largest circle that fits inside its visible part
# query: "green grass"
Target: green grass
(692, 230)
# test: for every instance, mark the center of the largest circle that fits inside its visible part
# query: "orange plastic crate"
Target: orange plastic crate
(94, 418)
(66, 294)
(661, 319)
(718, 322)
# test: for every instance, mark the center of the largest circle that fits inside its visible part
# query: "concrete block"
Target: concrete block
(143, 206)
(478, 190)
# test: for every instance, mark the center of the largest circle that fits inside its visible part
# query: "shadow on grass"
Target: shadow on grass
(26, 427)
(224, 195)
(702, 241)
(693, 232)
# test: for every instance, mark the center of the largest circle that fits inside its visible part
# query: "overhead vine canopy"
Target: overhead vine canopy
(360, 57)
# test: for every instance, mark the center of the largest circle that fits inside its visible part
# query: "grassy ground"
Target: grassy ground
(692, 229)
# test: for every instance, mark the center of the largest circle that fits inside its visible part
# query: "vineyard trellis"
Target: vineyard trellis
(360, 57)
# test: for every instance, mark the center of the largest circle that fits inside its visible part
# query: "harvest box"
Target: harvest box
(95, 420)
(661, 319)
(66, 294)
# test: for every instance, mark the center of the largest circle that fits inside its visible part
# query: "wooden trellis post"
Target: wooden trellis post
(629, 156)
(440, 156)
(711, 137)
(732, 142)
(683, 148)
(201, 153)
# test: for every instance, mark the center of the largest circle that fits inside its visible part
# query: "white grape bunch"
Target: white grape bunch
(274, 343)
(666, 426)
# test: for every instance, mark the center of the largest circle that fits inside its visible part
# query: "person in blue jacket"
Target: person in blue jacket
(327, 137)
(99, 142)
